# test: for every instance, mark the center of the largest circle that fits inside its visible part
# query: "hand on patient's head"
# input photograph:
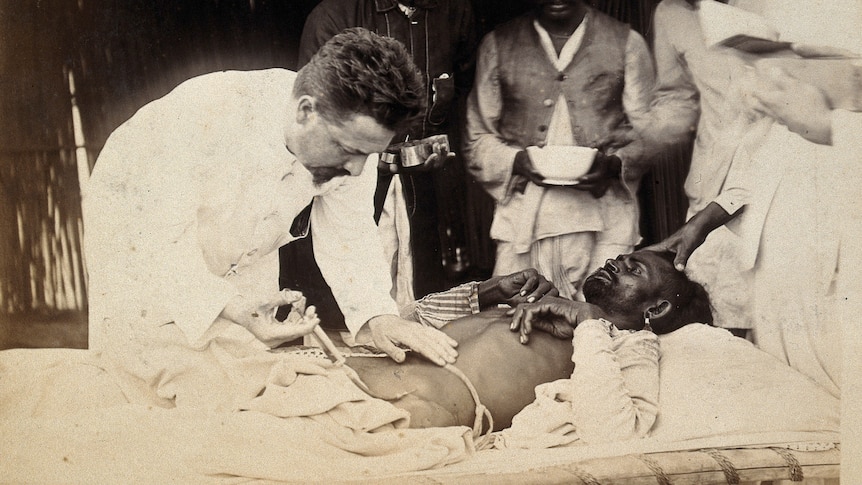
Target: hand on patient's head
(516, 288)
(258, 317)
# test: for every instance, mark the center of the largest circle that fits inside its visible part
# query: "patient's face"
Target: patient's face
(623, 285)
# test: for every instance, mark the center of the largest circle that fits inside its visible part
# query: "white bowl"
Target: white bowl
(563, 163)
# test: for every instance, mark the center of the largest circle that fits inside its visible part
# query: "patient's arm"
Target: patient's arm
(438, 309)
(556, 316)
(615, 383)
(612, 394)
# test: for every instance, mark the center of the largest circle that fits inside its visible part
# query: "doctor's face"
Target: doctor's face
(330, 149)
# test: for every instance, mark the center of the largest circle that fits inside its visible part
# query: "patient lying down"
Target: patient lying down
(606, 389)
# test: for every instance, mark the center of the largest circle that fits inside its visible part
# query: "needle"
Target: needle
(330, 347)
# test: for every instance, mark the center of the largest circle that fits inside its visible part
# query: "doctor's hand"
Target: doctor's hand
(524, 286)
(440, 155)
(386, 332)
(553, 315)
(258, 317)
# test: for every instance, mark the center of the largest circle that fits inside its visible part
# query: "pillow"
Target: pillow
(714, 384)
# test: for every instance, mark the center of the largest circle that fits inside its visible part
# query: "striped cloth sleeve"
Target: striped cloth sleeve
(438, 309)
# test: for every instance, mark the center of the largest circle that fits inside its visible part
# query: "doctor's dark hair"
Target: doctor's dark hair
(360, 72)
(689, 299)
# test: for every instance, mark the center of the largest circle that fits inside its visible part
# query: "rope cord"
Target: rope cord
(585, 477)
(730, 473)
(482, 412)
(793, 465)
(660, 475)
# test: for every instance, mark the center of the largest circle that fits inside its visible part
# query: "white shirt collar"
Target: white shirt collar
(569, 49)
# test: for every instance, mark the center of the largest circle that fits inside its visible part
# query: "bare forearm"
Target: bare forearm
(710, 218)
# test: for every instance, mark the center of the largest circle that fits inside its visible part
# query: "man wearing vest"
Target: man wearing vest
(562, 74)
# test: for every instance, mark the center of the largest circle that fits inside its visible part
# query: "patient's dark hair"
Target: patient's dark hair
(360, 72)
(689, 298)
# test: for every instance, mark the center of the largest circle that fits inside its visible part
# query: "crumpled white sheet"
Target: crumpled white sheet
(63, 418)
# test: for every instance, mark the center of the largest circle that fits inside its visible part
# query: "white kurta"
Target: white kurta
(190, 200)
(564, 233)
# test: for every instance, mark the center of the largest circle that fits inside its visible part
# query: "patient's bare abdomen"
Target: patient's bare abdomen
(503, 371)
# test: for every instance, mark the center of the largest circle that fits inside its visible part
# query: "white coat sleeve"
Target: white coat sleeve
(490, 158)
(147, 265)
(188, 291)
(637, 96)
(676, 105)
(348, 249)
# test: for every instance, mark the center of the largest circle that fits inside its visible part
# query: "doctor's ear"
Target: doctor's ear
(305, 108)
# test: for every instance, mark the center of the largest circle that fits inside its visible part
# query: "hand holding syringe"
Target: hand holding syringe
(300, 312)
(258, 317)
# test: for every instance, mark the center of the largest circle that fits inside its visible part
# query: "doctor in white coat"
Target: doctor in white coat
(191, 198)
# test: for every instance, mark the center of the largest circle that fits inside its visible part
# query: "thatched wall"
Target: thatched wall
(40, 215)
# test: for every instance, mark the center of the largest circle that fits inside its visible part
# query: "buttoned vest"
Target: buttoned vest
(592, 84)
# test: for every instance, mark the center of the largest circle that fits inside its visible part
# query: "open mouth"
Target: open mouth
(603, 274)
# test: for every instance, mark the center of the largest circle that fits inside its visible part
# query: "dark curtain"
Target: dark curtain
(130, 52)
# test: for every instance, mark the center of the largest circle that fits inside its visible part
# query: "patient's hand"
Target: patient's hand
(556, 316)
(258, 317)
(386, 332)
(524, 286)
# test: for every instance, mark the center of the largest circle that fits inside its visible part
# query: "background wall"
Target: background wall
(119, 55)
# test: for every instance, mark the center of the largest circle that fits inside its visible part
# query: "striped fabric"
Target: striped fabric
(438, 309)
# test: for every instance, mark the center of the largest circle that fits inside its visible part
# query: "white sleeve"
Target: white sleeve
(615, 382)
(186, 288)
(148, 266)
(348, 249)
(676, 106)
(637, 96)
(490, 158)
(612, 394)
